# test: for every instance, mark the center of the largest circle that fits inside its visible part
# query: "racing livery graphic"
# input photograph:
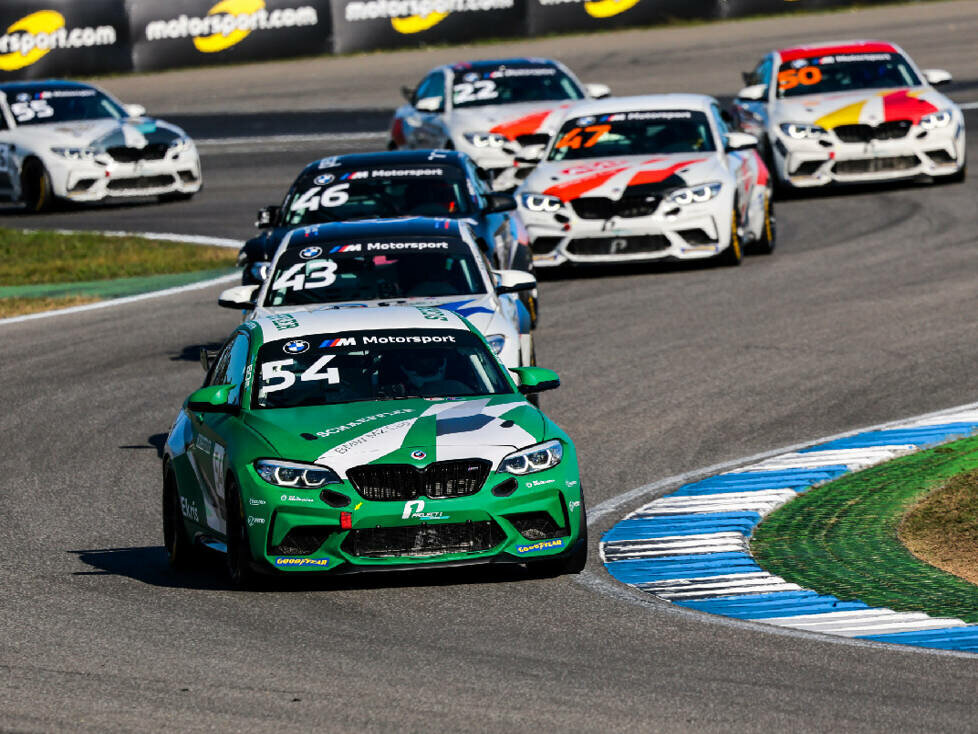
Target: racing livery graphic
(851, 112)
(66, 140)
(491, 110)
(403, 444)
(647, 178)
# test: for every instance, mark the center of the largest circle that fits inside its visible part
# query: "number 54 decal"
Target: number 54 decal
(278, 371)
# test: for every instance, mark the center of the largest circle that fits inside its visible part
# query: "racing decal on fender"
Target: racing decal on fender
(656, 175)
(608, 8)
(573, 189)
(906, 105)
(542, 545)
(31, 38)
(522, 125)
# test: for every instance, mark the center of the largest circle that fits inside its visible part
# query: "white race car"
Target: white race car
(417, 261)
(646, 178)
(851, 112)
(66, 140)
(491, 110)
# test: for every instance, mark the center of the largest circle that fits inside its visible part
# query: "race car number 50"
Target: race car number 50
(791, 78)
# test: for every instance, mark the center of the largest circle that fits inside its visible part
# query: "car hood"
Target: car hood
(870, 106)
(400, 431)
(511, 120)
(467, 306)
(610, 177)
(106, 133)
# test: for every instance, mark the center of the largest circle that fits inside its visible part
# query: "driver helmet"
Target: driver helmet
(422, 369)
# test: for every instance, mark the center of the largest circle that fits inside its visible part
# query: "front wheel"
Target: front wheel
(733, 255)
(765, 245)
(239, 558)
(180, 550)
(35, 187)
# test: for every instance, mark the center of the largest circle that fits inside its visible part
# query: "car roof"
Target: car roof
(836, 47)
(387, 158)
(353, 320)
(480, 64)
(35, 83)
(641, 102)
(366, 228)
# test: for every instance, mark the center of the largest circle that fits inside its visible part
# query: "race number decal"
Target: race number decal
(791, 78)
(574, 137)
(276, 375)
(466, 92)
(316, 372)
(301, 276)
(312, 199)
(27, 111)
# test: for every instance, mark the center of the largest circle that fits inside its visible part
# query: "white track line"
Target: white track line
(193, 239)
(286, 139)
(968, 105)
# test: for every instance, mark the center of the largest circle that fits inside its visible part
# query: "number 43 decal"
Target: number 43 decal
(318, 274)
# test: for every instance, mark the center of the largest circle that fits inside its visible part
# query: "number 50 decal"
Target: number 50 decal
(276, 375)
(791, 78)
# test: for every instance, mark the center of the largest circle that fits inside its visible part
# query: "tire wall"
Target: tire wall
(44, 38)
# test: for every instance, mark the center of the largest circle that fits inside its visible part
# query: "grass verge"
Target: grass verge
(21, 306)
(942, 529)
(842, 538)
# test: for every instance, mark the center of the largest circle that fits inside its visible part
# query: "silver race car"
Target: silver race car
(654, 177)
(851, 112)
(71, 141)
(491, 110)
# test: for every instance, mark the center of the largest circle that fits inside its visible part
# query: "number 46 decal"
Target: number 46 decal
(333, 196)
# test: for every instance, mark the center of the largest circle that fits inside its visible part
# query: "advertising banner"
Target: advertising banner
(364, 25)
(177, 33)
(554, 16)
(62, 37)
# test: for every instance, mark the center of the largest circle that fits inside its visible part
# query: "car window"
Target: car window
(761, 73)
(844, 72)
(236, 364)
(43, 103)
(433, 85)
(633, 133)
(722, 128)
(218, 370)
(512, 83)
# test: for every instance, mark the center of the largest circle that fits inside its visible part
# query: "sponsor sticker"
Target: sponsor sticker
(418, 455)
(324, 179)
(295, 346)
(308, 253)
(427, 339)
(360, 421)
(189, 509)
(284, 561)
(295, 498)
(283, 321)
(414, 510)
(541, 545)
(252, 520)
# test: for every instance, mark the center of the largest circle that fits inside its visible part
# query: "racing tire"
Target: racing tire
(35, 187)
(733, 255)
(769, 232)
(571, 564)
(181, 552)
(240, 563)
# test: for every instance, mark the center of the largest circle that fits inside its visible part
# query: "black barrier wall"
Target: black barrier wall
(40, 38)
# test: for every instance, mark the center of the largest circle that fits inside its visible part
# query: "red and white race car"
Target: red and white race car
(643, 178)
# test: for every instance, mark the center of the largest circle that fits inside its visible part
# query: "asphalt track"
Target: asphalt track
(866, 313)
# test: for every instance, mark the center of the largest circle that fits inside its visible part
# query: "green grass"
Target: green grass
(842, 538)
(40, 257)
(21, 306)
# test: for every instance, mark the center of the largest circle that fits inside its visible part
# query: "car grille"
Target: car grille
(892, 130)
(140, 182)
(536, 525)
(152, 152)
(424, 540)
(634, 205)
(618, 245)
(301, 541)
(404, 482)
(874, 165)
(543, 245)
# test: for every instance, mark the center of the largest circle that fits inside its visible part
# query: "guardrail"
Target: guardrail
(84, 37)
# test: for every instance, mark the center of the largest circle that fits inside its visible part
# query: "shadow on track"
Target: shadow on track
(191, 352)
(156, 441)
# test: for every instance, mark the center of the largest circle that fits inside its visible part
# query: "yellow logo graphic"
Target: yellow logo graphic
(608, 8)
(219, 41)
(417, 23)
(43, 21)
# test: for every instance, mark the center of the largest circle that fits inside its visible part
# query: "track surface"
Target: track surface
(865, 314)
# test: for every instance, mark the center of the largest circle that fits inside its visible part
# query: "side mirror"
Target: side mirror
(597, 91)
(740, 141)
(212, 399)
(407, 93)
(267, 216)
(754, 93)
(747, 76)
(535, 379)
(499, 203)
(937, 77)
(134, 110)
(514, 281)
(205, 358)
(430, 104)
(240, 297)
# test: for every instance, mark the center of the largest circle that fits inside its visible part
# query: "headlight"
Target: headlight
(801, 131)
(935, 120)
(259, 271)
(180, 145)
(75, 154)
(497, 342)
(533, 458)
(695, 194)
(486, 140)
(295, 475)
(541, 202)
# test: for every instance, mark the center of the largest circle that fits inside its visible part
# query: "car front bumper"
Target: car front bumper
(103, 178)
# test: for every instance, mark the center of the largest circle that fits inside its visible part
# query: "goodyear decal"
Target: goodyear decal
(608, 8)
(542, 545)
(34, 36)
(294, 562)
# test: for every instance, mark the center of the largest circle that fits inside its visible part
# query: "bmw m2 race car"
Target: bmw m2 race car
(71, 141)
(369, 439)
(417, 262)
(851, 112)
(491, 110)
(646, 178)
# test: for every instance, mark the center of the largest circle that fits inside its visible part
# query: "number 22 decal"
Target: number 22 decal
(278, 370)
(471, 92)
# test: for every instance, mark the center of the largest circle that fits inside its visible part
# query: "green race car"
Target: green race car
(367, 439)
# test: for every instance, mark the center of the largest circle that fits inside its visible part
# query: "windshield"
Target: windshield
(633, 133)
(844, 73)
(39, 104)
(326, 369)
(408, 267)
(511, 84)
(379, 193)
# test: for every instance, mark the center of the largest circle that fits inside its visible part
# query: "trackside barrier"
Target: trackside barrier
(42, 38)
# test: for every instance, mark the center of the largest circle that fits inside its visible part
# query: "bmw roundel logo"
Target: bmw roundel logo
(324, 179)
(584, 121)
(419, 455)
(308, 253)
(295, 346)
(472, 76)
